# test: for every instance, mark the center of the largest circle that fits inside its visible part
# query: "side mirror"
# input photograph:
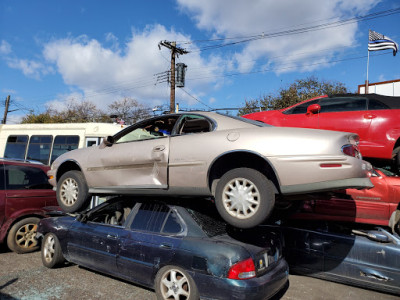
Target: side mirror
(313, 109)
(108, 141)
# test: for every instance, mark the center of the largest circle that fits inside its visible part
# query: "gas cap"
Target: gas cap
(233, 136)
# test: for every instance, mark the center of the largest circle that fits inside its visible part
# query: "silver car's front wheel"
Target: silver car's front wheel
(72, 191)
(244, 197)
(174, 283)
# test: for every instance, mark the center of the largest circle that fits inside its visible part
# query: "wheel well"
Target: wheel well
(396, 147)
(65, 167)
(235, 160)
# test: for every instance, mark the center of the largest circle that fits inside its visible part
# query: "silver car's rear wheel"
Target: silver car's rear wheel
(72, 191)
(174, 283)
(244, 197)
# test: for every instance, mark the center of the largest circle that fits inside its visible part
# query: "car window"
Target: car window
(149, 129)
(374, 104)
(39, 148)
(62, 144)
(194, 124)
(155, 217)
(23, 178)
(2, 183)
(300, 109)
(111, 213)
(341, 104)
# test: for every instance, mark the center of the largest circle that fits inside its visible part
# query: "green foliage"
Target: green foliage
(300, 90)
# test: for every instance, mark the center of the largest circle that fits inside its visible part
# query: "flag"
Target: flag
(378, 42)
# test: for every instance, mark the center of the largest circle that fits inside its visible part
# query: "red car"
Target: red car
(24, 192)
(375, 118)
(371, 206)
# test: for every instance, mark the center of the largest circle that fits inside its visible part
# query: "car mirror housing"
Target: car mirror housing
(108, 141)
(313, 109)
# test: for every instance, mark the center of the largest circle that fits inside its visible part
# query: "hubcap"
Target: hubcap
(48, 249)
(69, 191)
(174, 285)
(25, 236)
(241, 198)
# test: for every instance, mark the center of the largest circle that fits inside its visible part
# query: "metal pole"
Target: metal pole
(172, 96)
(366, 81)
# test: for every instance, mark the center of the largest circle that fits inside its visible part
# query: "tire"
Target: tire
(51, 253)
(394, 222)
(244, 197)
(174, 283)
(22, 236)
(72, 192)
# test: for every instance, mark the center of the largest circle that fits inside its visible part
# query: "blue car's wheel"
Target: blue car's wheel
(174, 283)
(51, 251)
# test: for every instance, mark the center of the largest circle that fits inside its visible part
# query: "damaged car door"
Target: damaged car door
(135, 159)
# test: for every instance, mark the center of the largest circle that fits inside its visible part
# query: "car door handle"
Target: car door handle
(369, 116)
(111, 236)
(166, 246)
(159, 148)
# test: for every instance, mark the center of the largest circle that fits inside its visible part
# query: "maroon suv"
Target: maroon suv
(24, 192)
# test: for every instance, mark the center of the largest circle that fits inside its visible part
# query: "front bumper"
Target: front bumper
(262, 287)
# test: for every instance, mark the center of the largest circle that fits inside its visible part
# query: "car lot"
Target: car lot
(23, 276)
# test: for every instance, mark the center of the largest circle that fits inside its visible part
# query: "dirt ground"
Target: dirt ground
(22, 276)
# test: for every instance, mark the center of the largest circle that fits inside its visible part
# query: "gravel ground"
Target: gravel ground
(22, 276)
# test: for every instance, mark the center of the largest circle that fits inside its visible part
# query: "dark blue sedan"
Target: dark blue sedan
(364, 256)
(183, 253)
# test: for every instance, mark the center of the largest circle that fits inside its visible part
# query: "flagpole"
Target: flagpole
(366, 81)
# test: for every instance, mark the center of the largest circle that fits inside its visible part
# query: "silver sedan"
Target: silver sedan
(244, 165)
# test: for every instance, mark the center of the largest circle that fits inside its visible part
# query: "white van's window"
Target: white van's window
(62, 144)
(16, 146)
(39, 148)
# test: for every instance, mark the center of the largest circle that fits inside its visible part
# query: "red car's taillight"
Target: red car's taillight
(351, 150)
(242, 270)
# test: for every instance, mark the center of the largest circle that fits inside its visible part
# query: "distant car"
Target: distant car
(183, 253)
(24, 192)
(242, 163)
(372, 206)
(375, 118)
(362, 257)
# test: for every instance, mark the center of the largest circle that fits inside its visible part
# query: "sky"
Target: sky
(103, 51)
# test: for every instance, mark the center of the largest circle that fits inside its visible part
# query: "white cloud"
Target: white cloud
(29, 68)
(235, 18)
(5, 47)
(104, 74)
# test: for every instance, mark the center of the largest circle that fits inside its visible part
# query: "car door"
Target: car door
(348, 114)
(137, 158)
(93, 241)
(151, 241)
(26, 188)
(2, 196)
(298, 116)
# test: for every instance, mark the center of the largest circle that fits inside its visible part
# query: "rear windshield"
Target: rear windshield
(208, 219)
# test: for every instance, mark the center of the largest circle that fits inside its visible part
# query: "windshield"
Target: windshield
(253, 122)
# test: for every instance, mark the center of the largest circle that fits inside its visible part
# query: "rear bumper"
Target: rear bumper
(259, 288)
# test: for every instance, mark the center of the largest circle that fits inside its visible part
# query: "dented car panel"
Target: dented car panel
(143, 237)
(365, 258)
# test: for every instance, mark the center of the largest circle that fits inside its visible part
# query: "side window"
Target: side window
(16, 146)
(343, 104)
(112, 213)
(23, 178)
(194, 124)
(39, 148)
(62, 144)
(300, 109)
(157, 218)
(150, 129)
(374, 104)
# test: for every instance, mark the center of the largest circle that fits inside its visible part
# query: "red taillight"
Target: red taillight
(351, 150)
(242, 270)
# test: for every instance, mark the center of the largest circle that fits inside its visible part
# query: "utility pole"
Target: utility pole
(174, 51)
(6, 109)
